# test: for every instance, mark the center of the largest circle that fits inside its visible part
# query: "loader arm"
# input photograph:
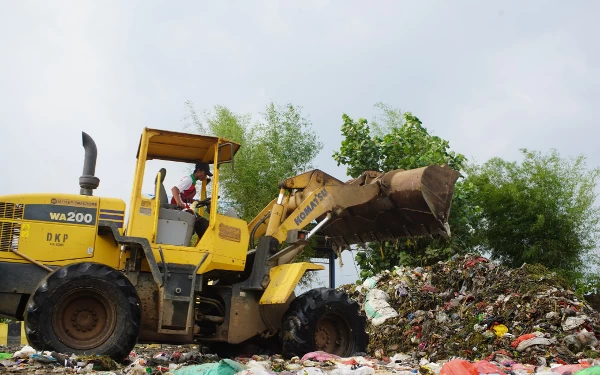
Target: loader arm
(293, 191)
(373, 207)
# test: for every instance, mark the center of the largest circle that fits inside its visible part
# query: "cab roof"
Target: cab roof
(185, 147)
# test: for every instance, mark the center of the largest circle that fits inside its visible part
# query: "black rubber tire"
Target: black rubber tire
(90, 280)
(304, 313)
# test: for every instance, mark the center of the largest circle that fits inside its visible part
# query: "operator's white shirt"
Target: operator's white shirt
(185, 183)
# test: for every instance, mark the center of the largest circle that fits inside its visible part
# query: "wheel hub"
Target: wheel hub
(84, 318)
(333, 334)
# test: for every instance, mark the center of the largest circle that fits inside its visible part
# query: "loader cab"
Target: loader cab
(168, 228)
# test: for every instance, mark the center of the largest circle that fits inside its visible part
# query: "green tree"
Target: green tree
(538, 211)
(281, 144)
(399, 140)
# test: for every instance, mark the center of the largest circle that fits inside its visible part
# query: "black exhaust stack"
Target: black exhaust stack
(88, 181)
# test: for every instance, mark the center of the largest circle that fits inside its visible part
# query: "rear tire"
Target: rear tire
(326, 320)
(84, 308)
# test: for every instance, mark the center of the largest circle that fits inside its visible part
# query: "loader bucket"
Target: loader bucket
(410, 204)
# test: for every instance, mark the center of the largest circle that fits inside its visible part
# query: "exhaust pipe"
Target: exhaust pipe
(88, 182)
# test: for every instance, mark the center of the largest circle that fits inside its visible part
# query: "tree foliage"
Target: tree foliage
(281, 144)
(398, 140)
(538, 211)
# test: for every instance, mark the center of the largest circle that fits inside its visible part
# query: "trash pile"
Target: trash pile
(185, 360)
(467, 316)
(475, 309)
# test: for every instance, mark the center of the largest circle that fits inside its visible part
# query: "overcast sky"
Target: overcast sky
(491, 77)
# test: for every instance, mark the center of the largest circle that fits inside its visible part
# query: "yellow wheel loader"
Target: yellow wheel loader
(87, 278)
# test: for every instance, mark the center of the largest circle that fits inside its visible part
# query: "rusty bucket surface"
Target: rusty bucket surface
(410, 203)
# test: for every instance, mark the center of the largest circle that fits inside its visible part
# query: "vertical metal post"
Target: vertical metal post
(332, 269)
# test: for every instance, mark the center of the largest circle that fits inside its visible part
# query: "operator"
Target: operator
(185, 191)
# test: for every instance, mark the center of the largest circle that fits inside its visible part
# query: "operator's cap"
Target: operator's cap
(203, 167)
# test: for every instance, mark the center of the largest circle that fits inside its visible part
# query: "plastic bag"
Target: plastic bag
(594, 370)
(573, 322)
(521, 338)
(571, 369)
(25, 352)
(459, 367)
(377, 308)
(485, 367)
(223, 367)
(531, 342)
(371, 282)
(347, 370)
(500, 329)
(320, 356)
(254, 368)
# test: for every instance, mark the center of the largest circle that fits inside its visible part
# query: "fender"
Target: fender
(284, 279)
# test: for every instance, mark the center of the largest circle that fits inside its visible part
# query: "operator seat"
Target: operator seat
(163, 199)
(175, 227)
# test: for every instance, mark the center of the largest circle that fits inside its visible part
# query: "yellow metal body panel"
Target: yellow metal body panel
(184, 147)
(3, 334)
(58, 229)
(23, 335)
(226, 243)
(284, 279)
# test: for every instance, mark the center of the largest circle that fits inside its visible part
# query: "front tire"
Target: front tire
(84, 308)
(324, 319)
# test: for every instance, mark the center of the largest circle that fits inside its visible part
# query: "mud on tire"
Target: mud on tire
(323, 319)
(84, 308)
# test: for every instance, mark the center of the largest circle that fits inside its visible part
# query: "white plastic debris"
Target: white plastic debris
(25, 352)
(377, 308)
(531, 342)
(310, 371)
(573, 322)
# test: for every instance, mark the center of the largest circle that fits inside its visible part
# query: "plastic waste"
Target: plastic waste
(572, 343)
(485, 367)
(223, 367)
(351, 370)
(254, 368)
(137, 370)
(573, 322)
(500, 329)
(320, 356)
(571, 369)
(593, 370)
(458, 367)
(25, 352)
(587, 338)
(371, 282)
(531, 342)
(521, 338)
(310, 371)
(400, 357)
(160, 358)
(5, 356)
(42, 358)
(377, 308)
(293, 367)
